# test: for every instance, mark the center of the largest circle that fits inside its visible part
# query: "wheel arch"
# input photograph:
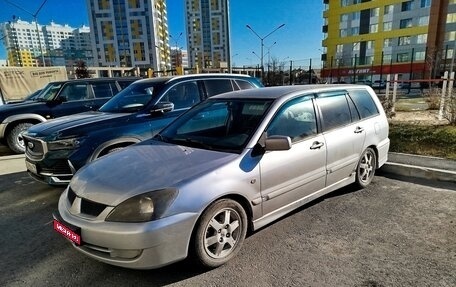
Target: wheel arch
(115, 143)
(12, 121)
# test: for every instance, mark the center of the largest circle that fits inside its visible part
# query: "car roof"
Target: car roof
(196, 76)
(97, 80)
(284, 91)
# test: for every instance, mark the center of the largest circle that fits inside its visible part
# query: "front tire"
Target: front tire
(220, 233)
(14, 138)
(365, 170)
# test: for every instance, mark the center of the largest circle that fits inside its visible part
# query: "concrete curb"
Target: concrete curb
(12, 164)
(413, 171)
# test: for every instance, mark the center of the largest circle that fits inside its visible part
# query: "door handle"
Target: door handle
(316, 145)
(359, 130)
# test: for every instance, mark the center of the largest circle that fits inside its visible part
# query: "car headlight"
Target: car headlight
(144, 207)
(68, 143)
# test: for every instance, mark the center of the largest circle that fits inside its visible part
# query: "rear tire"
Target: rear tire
(365, 170)
(14, 138)
(219, 233)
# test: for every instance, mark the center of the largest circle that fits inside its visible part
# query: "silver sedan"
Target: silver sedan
(231, 164)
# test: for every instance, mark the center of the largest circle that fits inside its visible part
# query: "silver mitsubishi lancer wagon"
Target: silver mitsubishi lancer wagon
(229, 165)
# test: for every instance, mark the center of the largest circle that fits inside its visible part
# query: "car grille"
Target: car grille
(60, 167)
(87, 207)
(34, 148)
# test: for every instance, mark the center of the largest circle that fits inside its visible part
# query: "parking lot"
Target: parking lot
(393, 233)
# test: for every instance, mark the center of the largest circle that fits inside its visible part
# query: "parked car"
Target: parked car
(233, 163)
(379, 84)
(57, 99)
(364, 82)
(57, 149)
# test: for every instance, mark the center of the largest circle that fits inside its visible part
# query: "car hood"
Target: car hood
(144, 167)
(19, 107)
(68, 125)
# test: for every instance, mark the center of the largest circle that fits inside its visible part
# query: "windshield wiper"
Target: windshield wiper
(193, 143)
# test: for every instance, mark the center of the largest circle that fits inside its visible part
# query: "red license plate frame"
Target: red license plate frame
(69, 233)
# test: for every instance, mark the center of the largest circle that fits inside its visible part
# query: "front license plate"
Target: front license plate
(67, 232)
(31, 167)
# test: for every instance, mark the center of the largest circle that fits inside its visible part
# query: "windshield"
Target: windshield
(133, 98)
(222, 125)
(48, 93)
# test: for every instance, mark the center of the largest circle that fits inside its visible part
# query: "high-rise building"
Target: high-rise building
(29, 44)
(365, 40)
(131, 33)
(208, 33)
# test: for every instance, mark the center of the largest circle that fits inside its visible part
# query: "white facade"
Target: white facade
(130, 33)
(208, 33)
(31, 44)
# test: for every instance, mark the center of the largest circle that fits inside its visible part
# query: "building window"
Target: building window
(388, 42)
(404, 40)
(354, 31)
(343, 32)
(343, 17)
(370, 44)
(450, 36)
(356, 46)
(387, 26)
(406, 6)
(373, 28)
(369, 60)
(451, 18)
(344, 3)
(403, 57)
(374, 12)
(421, 39)
(387, 58)
(339, 48)
(419, 56)
(356, 15)
(423, 20)
(405, 23)
(425, 3)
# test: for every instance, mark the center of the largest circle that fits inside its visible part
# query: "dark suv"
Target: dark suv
(56, 149)
(56, 99)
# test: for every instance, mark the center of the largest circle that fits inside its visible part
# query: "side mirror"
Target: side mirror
(275, 143)
(162, 107)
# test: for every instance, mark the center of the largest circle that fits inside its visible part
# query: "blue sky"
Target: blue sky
(299, 40)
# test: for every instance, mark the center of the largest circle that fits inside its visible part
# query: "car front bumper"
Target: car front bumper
(145, 245)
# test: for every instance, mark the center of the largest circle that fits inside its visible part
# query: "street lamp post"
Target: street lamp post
(35, 18)
(262, 43)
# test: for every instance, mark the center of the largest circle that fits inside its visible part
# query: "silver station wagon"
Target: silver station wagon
(229, 165)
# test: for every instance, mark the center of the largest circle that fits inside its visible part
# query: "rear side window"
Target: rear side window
(334, 110)
(74, 92)
(364, 103)
(218, 86)
(104, 90)
(244, 85)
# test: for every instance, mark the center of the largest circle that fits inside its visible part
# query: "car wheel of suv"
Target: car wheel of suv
(220, 233)
(366, 168)
(14, 138)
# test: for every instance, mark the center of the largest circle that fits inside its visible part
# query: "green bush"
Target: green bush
(439, 141)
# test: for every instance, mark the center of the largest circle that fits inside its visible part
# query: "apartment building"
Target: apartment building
(208, 34)
(29, 44)
(131, 33)
(366, 39)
